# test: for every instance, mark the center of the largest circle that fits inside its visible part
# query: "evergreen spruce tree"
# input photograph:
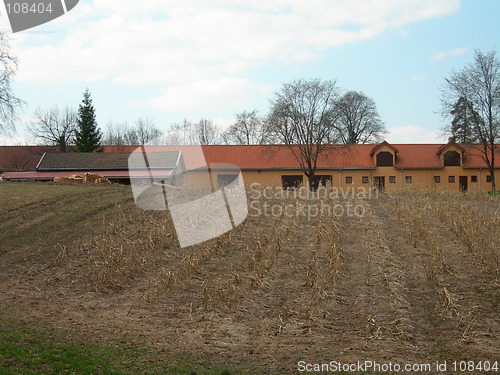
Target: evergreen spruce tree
(88, 136)
(464, 123)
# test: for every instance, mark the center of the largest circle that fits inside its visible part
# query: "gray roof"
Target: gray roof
(77, 161)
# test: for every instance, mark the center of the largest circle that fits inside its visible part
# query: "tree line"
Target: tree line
(351, 118)
(68, 129)
(471, 99)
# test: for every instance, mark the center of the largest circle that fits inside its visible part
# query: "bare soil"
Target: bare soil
(271, 293)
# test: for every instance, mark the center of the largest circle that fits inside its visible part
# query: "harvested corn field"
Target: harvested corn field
(404, 279)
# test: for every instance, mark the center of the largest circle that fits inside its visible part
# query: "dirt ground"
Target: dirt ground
(396, 283)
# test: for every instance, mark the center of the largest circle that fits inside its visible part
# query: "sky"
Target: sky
(171, 60)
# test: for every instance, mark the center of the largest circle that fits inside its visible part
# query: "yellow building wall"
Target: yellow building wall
(201, 179)
(422, 180)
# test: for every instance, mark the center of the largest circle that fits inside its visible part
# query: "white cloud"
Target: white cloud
(129, 44)
(414, 134)
(453, 53)
(185, 45)
(209, 96)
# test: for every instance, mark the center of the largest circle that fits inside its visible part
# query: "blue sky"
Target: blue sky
(176, 59)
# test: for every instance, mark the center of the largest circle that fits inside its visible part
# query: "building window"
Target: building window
(364, 179)
(488, 178)
(473, 178)
(226, 179)
(437, 179)
(348, 180)
(392, 179)
(385, 159)
(291, 182)
(408, 179)
(451, 178)
(451, 159)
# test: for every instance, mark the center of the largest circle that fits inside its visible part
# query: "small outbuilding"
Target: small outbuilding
(167, 167)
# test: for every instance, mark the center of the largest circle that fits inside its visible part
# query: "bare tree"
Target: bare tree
(358, 119)
(301, 118)
(207, 133)
(9, 103)
(479, 85)
(248, 129)
(179, 134)
(116, 134)
(144, 132)
(203, 132)
(54, 126)
(121, 134)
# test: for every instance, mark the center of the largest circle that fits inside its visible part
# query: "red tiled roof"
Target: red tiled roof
(473, 156)
(342, 157)
(427, 156)
(22, 157)
(418, 156)
(262, 157)
(271, 157)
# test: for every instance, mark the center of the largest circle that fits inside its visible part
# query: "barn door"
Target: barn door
(379, 182)
(462, 182)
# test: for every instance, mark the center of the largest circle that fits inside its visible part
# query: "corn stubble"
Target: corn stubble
(475, 224)
(143, 245)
